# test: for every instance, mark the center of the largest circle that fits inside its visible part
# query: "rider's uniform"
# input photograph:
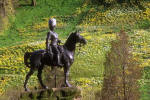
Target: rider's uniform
(53, 36)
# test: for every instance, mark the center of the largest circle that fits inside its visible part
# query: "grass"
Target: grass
(145, 84)
(28, 16)
(97, 24)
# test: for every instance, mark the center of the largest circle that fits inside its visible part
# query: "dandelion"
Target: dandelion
(84, 34)
(144, 64)
(78, 11)
(88, 37)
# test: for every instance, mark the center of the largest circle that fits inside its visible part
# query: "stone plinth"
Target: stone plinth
(65, 93)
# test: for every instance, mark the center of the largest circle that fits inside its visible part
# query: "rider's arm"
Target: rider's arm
(47, 41)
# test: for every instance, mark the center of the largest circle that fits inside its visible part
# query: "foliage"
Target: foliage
(28, 20)
(109, 3)
(97, 24)
(12, 69)
(140, 44)
(6, 10)
(121, 72)
(145, 84)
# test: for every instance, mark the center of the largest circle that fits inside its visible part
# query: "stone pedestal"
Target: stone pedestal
(65, 93)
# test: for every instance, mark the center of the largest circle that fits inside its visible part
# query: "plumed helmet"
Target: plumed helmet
(52, 21)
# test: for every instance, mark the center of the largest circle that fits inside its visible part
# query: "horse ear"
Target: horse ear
(76, 31)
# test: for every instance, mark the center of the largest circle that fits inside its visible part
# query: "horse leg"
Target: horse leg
(66, 73)
(40, 77)
(27, 78)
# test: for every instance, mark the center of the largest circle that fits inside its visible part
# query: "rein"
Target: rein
(80, 45)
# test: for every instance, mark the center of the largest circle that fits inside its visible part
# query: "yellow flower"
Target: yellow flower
(0, 62)
(144, 64)
(84, 34)
(78, 11)
(88, 37)
(148, 4)
(147, 11)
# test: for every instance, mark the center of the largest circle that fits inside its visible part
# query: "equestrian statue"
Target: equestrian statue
(54, 55)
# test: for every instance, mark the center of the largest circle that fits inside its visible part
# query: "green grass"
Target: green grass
(88, 65)
(28, 16)
(143, 24)
(145, 84)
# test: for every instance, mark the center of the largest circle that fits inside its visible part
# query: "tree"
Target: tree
(33, 3)
(121, 72)
(6, 9)
(112, 2)
(2, 8)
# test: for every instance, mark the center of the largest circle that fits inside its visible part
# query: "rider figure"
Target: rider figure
(53, 37)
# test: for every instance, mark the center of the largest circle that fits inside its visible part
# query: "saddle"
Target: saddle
(55, 57)
(60, 50)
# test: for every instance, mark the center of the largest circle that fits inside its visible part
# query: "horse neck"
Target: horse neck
(70, 45)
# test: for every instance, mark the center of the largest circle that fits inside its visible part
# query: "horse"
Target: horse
(36, 60)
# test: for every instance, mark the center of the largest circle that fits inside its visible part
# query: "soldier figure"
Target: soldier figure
(53, 37)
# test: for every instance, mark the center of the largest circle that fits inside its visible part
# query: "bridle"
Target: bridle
(80, 45)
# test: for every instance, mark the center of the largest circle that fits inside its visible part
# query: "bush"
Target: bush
(121, 72)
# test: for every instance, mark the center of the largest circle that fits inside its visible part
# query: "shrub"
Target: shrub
(121, 72)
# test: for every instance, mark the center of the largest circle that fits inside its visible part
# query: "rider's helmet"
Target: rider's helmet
(52, 22)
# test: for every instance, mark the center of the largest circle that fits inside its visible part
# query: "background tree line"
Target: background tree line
(111, 2)
(7, 8)
(8, 5)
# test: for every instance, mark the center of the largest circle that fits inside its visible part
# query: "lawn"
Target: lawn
(99, 25)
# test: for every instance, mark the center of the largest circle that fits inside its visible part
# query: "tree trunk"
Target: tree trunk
(6, 9)
(2, 8)
(33, 3)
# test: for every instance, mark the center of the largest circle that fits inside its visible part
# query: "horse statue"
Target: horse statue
(37, 59)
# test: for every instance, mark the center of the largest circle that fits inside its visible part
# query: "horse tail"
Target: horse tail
(27, 55)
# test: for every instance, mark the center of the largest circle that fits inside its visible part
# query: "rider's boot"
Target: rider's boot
(58, 60)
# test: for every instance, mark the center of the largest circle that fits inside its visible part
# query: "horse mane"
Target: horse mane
(70, 37)
(70, 40)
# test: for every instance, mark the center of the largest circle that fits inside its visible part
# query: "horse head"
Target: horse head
(79, 39)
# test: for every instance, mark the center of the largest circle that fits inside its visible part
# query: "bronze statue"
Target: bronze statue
(37, 59)
(52, 48)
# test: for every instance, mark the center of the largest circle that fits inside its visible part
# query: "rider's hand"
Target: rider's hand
(59, 41)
